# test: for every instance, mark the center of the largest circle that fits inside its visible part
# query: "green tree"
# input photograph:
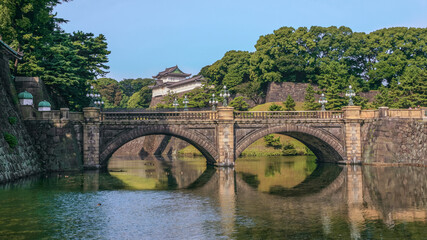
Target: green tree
(231, 70)
(140, 99)
(110, 90)
(271, 141)
(289, 104)
(275, 107)
(411, 89)
(65, 62)
(252, 90)
(239, 104)
(333, 80)
(131, 86)
(310, 102)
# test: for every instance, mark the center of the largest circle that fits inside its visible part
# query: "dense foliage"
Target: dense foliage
(391, 60)
(66, 62)
(128, 93)
(239, 104)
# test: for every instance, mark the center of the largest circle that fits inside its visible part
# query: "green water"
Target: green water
(261, 198)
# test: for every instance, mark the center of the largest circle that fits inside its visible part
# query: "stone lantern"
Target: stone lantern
(25, 98)
(44, 106)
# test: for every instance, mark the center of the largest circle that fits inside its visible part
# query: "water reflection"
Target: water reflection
(354, 202)
(157, 172)
(287, 176)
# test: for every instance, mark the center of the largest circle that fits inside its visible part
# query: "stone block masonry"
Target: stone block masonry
(395, 141)
(23, 159)
(278, 92)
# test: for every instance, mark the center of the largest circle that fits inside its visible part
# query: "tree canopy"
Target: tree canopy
(66, 62)
(332, 58)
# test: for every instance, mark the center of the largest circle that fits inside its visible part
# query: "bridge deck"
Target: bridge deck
(213, 115)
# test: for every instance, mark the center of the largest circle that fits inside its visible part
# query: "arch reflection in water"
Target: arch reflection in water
(157, 172)
(286, 176)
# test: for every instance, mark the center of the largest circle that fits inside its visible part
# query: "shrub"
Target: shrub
(12, 120)
(239, 104)
(10, 139)
(272, 142)
(289, 150)
(275, 107)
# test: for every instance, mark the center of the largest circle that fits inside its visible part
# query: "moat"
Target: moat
(182, 198)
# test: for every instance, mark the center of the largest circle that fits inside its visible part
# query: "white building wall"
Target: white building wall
(160, 91)
(26, 101)
(44, 109)
(186, 87)
(172, 79)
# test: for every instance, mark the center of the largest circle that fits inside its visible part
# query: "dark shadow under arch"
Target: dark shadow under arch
(326, 147)
(203, 145)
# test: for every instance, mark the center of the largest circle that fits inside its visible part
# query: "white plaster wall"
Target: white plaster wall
(26, 101)
(186, 87)
(44, 109)
(172, 79)
(160, 91)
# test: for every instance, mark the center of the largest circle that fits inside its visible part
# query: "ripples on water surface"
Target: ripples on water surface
(262, 198)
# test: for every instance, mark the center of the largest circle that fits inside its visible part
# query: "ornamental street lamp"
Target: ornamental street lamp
(350, 93)
(225, 94)
(322, 100)
(185, 103)
(175, 105)
(95, 98)
(213, 102)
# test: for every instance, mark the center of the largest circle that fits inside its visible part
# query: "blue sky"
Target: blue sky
(146, 36)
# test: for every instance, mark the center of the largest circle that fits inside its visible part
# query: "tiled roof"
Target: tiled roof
(9, 51)
(171, 71)
(197, 78)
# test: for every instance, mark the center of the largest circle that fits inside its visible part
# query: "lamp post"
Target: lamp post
(175, 105)
(95, 98)
(185, 103)
(213, 102)
(350, 93)
(225, 94)
(323, 101)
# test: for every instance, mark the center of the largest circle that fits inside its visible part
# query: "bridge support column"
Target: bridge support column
(353, 145)
(91, 138)
(225, 137)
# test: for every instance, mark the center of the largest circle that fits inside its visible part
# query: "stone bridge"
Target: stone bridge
(222, 135)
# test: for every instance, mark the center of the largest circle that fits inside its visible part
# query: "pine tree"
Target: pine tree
(275, 107)
(239, 104)
(289, 104)
(309, 99)
(411, 89)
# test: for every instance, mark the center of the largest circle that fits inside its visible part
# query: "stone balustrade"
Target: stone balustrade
(65, 115)
(141, 116)
(289, 114)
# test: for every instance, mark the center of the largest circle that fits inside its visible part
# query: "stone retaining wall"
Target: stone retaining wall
(407, 143)
(22, 160)
(59, 144)
(278, 92)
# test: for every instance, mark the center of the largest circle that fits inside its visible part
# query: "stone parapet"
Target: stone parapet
(352, 112)
(91, 114)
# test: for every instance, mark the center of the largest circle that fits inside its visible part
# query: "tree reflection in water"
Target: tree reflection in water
(259, 199)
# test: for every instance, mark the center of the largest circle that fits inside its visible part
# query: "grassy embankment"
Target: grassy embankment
(259, 148)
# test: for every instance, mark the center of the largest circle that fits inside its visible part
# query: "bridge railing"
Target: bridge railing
(290, 114)
(141, 116)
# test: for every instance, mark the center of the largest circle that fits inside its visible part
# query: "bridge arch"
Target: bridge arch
(204, 145)
(326, 147)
